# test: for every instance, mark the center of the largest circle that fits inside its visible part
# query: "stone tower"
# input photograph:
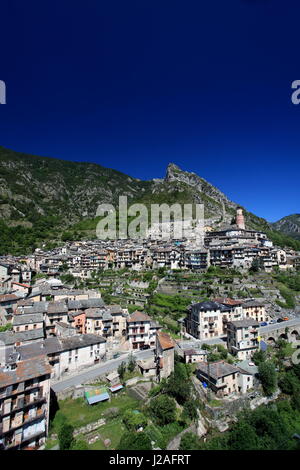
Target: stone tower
(240, 221)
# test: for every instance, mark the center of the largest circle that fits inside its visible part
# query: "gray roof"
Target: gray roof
(244, 323)
(10, 337)
(24, 319)
(253, 303)
(57, 307)
(56, 344)
(114, 309)
(209, 305)
(79, 341)
(37, 307)
(85, 303)
(217, 369)
(245, 368)
(47, 346)
(94, 313)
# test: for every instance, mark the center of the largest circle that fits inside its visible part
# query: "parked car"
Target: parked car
(285, 318)
(272, 321)
(146, 346)
(251, 364)
(264, 323)
(280, 320)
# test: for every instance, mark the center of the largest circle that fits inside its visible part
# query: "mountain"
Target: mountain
(289, 225)
(46, 199)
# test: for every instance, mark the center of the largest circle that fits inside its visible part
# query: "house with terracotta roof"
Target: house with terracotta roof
(164, 355)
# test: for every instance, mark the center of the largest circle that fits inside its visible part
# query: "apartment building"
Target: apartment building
(24, 403)
(242, 337)
(204, 319)
(99, 321)
(256, 310)
(138, 330)
(56, 312)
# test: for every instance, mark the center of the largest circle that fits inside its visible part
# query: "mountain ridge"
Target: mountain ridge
(50, 196)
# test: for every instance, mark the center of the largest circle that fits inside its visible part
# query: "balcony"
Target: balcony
(13, 446)
(20, 389)
(27, 420)
(24, 404)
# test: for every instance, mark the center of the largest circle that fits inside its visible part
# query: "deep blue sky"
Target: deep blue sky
(134, 85)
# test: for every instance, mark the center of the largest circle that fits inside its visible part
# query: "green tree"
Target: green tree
(133, 421)
(243, 437)
(131, 363)
(189, 441)
(289, 383)
(259, 357)
(79, 444)
(190, 409)
(163, 409)
(65, 436)
(122, 370)
(6, 327)
(268, 377)
(134, 441)
(179, 383)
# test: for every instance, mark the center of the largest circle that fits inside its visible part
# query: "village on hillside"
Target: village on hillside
(163, 340)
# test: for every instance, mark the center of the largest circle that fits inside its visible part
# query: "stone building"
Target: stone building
(164, 355)
(220, 377)
(24, 403)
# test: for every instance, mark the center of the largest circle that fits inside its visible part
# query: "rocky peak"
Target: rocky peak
(174, 173)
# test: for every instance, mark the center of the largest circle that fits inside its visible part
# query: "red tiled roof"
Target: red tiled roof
(7, 297)
(20, 284)
(165, 340)
(228, 301)
(28, 369)
(138, 316)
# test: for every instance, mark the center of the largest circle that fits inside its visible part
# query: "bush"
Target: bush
(189, 441)
(65, 436)
(79, 444)
(268, 377)
(133, 421)
(135, 441)
(163, 409)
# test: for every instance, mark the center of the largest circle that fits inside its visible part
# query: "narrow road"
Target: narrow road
(93, 372)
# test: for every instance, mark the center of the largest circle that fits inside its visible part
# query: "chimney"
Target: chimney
(240, 221)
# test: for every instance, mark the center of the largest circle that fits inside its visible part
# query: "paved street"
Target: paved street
(109, 366)
(197, 343)
(93, 372)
